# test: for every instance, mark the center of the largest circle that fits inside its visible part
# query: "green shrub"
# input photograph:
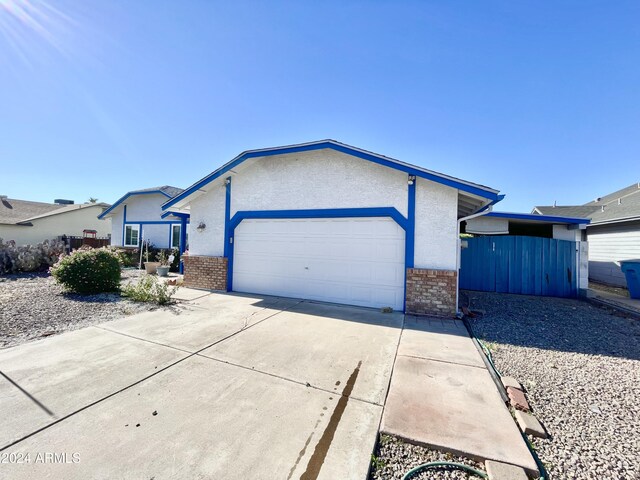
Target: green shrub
(29, 258)
(149, 289)
(129, 257)
(88, 271)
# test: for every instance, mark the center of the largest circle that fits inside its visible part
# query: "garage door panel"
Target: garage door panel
(358, 261)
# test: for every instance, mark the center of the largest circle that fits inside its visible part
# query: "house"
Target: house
(28, 222)
(329, 222)
(138, 216)
(613, 233)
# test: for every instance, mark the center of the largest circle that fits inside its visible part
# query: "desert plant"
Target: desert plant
(149, 289)
(88, 271)
(28, 258)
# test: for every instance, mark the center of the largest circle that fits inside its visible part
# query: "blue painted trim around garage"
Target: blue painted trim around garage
(539, 218)
(123, 198)
(411, 225)
(379, 159)
(228, 251)
(320, 213)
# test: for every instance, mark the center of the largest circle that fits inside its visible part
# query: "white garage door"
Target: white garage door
(356, 261)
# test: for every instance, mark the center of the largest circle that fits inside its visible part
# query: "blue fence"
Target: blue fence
(515, 264)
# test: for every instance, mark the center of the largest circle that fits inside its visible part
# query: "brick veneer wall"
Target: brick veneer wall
(431, 292)
(209, 273)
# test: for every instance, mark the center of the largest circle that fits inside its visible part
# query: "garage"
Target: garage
(330, 222)
(355, 261)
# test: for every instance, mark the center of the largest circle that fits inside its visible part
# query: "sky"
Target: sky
(539, 99)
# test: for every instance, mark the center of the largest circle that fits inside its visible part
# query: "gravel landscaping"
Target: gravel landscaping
(580, 365)
(33, 306)
(394, 458)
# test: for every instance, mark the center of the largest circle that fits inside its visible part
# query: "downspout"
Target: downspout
(483, 211)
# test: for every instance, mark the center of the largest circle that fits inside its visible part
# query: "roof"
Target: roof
(539, 218)
(621, 205)
(21, 212)
(166, 190)
(469, 187)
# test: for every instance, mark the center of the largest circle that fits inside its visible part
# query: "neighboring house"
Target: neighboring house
(28, 222)
(613, 234)
(330, 222)
(138, 216)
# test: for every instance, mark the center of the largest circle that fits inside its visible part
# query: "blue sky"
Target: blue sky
(538, 99)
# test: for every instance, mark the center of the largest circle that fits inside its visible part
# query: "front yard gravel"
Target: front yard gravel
(580, 365)
(394, 458)
(33, 306)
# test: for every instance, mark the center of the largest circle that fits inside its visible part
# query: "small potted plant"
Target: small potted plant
(149, 267)
(164, 263)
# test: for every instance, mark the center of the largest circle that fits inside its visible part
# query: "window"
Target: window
(131, 235)
(175, 236)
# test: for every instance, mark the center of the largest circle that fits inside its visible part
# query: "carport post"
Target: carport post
(183, 240)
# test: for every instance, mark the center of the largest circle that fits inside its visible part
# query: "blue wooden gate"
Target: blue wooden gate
(515, 264)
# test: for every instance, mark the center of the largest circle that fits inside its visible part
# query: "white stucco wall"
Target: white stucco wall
(562, 232)
(328, 179)
(208, 209)
(318, 179)
(69, 223)
(436, 226)
(116, 227)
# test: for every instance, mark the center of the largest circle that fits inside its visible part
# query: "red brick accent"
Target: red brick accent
(209, 273)
(517, 399)
(431, 292)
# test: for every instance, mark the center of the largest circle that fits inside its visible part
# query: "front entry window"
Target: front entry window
(131, 235)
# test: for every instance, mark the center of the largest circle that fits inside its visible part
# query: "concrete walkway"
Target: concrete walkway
(223, 386)
(442, 396)
(625, 304)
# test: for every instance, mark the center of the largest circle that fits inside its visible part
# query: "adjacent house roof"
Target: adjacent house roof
(166, 190)
(463, 185)
(621, 205)
(22, 212)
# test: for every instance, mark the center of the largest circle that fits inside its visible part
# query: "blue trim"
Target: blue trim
(122, 199)
(170, 236)
(320, 213)
(228, 250)
(380, 160)
(539, 218)
(124, 222)
(183, 240)
(411, 226)
(175, 214)
(410, 233)
(499, 199)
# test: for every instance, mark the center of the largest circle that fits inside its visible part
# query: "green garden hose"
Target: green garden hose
(440, 465)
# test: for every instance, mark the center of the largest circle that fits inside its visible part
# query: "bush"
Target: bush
(88, 271)
(29, 258)
(149, 289)
(129, 257)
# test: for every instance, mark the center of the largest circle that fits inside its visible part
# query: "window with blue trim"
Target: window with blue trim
(175, 236)
(131, 236)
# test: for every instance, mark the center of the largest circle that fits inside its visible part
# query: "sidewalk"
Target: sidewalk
(442, 396)
(626, 304)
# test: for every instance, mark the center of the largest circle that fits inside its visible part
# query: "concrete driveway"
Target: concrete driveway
(225, 386)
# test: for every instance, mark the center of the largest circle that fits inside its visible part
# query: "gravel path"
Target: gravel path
(33, 306)
(394, 458)
(580, 365)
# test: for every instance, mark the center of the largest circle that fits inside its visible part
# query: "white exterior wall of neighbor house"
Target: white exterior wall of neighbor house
(143, 208)
(328, 179)
(46, 228)
(609, 244)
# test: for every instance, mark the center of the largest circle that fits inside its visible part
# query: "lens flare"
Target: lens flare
(32, 28)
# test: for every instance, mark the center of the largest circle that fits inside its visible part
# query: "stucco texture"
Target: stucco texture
(328, 179)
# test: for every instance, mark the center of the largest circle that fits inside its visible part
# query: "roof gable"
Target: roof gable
(475, 189)
(166, 190)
